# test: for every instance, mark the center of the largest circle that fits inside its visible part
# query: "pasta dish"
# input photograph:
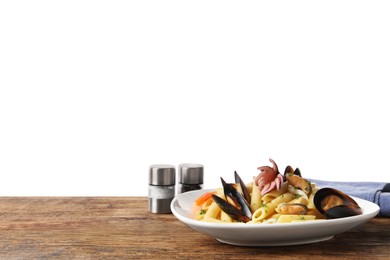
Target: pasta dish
(273, 198)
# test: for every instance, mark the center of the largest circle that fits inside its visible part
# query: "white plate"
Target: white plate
(280, 234)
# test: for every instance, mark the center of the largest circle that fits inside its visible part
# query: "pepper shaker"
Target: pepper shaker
(190, 177)
(161, 187)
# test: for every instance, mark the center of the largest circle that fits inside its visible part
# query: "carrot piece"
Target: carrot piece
(205, 197)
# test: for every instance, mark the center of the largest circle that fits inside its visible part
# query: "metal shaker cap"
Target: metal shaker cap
(162, 174)
(191, 173)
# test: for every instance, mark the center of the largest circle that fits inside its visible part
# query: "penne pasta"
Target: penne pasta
(225, 217)
(264, 211)
(255, 198)
(275, 193)
(310, 203)
(206, 204)
(290, 218)
(300, 200)
(283, 198)
(212, 211)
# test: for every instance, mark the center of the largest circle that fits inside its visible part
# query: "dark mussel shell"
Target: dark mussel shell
(244, 190)
(291, 171)
(229, 209)
(235, 205)
(343, 211)
(333, 203)
(236, 198)
(297, 172)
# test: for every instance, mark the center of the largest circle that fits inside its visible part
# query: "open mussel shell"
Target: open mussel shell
(229, 209)
(236, 204)
(333, 203)
(299, 183)
(297, 172)
(236, 199)
(290, 171)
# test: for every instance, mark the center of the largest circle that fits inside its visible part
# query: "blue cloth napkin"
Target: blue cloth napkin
(377, 192)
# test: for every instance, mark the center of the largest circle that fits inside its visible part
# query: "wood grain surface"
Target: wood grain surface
(122, 227)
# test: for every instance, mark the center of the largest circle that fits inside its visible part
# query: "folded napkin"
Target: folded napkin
(377, 192)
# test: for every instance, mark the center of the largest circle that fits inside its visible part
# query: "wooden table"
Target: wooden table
(122, 227)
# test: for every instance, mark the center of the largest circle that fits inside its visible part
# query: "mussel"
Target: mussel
(333, 203)
(294, 177)
(292, 208)
(299, 182)
(236, 204)
(290, 170)
(244, 190)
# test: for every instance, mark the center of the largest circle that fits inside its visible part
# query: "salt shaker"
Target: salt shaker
(190, 177)
(161, 187)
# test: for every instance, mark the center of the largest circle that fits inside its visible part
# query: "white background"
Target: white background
(93, 92)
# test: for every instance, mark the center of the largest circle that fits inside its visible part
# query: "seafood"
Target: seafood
(291, 197)
(333, 203)
(290, 169)
(232, 211)
(269, 178)
(235, 205)
(292, 208)
(243, 188)
(299, 182)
